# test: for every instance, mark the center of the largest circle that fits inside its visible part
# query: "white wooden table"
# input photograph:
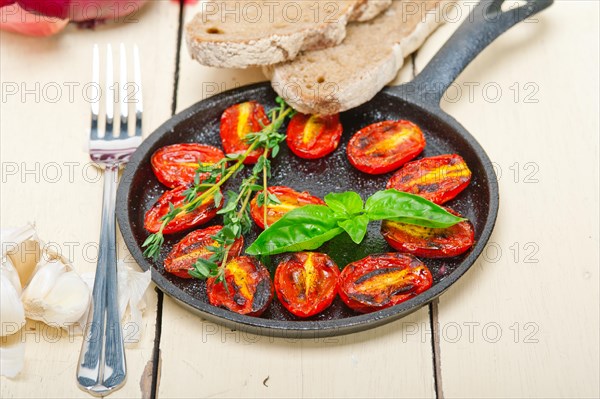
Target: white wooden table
(522, 323)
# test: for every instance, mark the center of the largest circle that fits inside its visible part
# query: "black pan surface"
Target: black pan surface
(139, 189)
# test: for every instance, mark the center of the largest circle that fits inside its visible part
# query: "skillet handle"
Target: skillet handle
(484, 24)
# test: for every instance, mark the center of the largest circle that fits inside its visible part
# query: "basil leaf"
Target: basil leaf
(356, 227)
(348, 202)
(408, 208)
(301, 229)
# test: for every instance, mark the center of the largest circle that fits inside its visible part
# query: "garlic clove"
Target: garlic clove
(26, 258)
(9, 271)
(67, 301)
(12, 314)
(56, 295)
(43, 280)
(23, 248)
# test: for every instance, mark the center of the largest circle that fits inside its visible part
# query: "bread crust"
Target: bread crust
(369, 9)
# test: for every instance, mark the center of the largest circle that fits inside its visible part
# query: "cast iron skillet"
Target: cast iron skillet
(417, 101)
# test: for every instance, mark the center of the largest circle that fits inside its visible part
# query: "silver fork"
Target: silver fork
(102, 369)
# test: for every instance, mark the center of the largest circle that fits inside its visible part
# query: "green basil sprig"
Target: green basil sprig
(310, 226)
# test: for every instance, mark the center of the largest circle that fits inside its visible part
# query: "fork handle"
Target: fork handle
(102, 367)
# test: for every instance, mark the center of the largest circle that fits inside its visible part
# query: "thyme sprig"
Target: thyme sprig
(236, 222)
(236, 217)
(195, 196)
(236, 214)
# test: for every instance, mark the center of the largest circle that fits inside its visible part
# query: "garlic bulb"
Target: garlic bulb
(53, 293)
(12, 315)
(56, 295)
(23, 249)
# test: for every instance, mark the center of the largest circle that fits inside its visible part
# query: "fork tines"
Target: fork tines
(125, 92)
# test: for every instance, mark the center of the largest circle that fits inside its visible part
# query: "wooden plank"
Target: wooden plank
(531, 303)
(47, 177)
(203, 359)
(199, 358)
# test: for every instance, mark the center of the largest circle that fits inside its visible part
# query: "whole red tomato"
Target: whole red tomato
(79, 10)
(48, 17)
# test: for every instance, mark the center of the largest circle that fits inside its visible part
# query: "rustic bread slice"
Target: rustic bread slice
(248, 33)
(339, 78)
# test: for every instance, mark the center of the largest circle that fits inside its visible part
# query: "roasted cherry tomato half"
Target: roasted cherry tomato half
(193, 246)
(306, 283)
(380, 281)
(428, 242)
(183, 221)
(289, 198)
(437, 179)
(239, 120)
(175, 165)
(249, 289)
(314, 136)
(385, 146)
